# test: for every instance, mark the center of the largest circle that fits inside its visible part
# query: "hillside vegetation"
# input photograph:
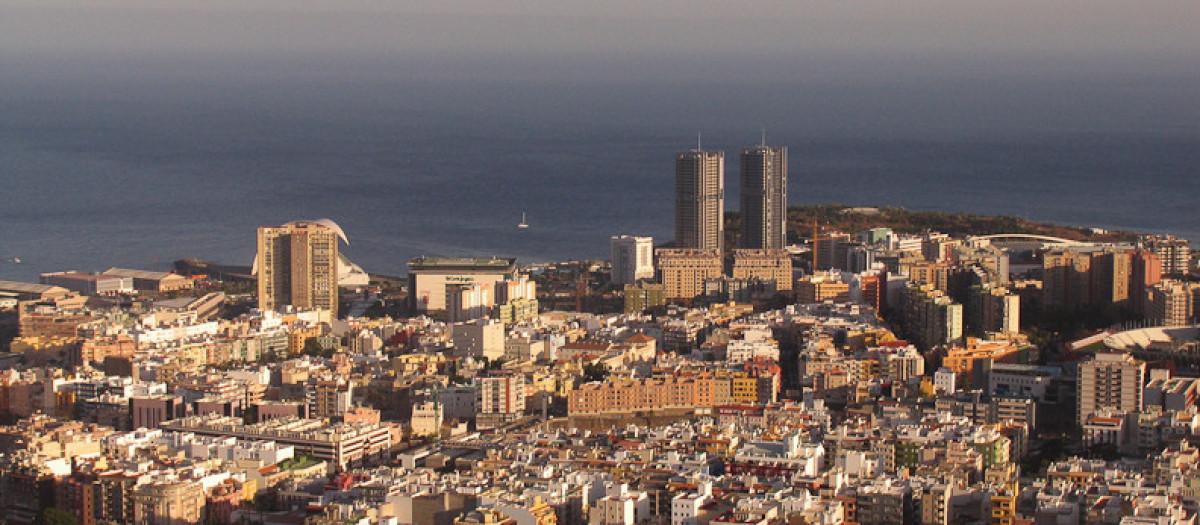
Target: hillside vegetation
(853, 219)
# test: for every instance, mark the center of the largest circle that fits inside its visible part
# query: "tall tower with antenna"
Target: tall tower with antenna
(700, 199)
(764, 196)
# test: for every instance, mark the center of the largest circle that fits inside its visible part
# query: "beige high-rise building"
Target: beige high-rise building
(700, 200)
(1111, 381)
(1000, 311)
(1090, 276)
(1110, 275)
(683, 272)
(297, 265)
(1065, 279)
(768, 265)
(516, 300)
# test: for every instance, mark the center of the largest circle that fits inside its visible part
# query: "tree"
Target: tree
(313, 347)
(594, 372)
(57, 516)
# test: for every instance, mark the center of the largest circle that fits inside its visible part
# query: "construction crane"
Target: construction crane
(581, 287)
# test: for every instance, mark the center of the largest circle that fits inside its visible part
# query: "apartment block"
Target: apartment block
(501, 399)
(821, 287)
(1112, 381)
(930, 317)
(683, 272)
(767, 265)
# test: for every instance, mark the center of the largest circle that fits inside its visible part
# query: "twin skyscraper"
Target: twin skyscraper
(700, 198)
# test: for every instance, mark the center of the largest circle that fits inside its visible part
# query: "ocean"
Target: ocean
(105, 165)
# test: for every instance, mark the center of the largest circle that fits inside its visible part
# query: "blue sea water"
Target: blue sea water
(136, 168)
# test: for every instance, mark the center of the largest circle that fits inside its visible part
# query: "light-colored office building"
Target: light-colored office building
(830, 251)
(999, 311)
(1090, 275)
(429, 277)
(643, 296)
(1023, 381)
(632, 259)
(516, 300)
(459, 402)
(1173, 393)
(515, 289)
(328, 398)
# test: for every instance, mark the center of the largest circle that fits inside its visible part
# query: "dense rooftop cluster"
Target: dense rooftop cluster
(887, 379)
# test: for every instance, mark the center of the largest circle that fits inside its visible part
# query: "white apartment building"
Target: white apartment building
(685, 506)
(620, 506)
(632, 259)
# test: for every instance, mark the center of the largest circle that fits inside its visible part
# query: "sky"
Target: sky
(1008, 64)
(197, 90)
(961, 30)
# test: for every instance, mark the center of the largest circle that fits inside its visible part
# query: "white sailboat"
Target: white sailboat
(523, 224)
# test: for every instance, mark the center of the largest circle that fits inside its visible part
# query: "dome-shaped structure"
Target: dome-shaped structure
(328, 223)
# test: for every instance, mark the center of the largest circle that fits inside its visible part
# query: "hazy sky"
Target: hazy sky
(361, 108)
(961, 29)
